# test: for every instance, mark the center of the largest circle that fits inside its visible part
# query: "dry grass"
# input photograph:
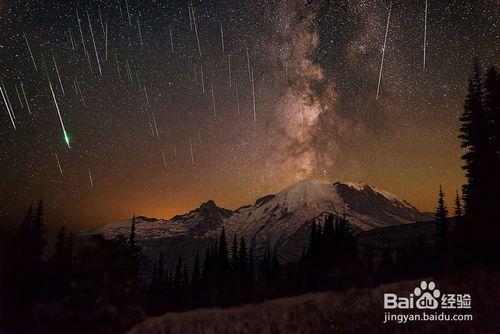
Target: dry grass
(351, 311)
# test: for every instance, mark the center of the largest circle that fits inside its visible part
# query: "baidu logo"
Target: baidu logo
(426, 296)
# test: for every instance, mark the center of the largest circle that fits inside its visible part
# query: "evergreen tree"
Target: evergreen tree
(234, 257)
(37, 240)
(60, 265)
(207, 267)
(177, 280)
(458, 207)
(251, 265)
(185, 276)
(313, 240)
(475, 138)
(442, 223)
(441, 210)
(134, 251)
(242, 258)
(195, 278)
(222, 255)
(491, 104)
(160, 272)
(37, 245)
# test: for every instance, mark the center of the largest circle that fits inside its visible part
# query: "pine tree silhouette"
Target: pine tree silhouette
(458, 207)
(196, 276)
(491, 104)
(474, 136)
(442, 221)
(134, 250)
(234, 250)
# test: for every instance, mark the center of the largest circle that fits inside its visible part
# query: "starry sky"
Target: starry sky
(167, 104)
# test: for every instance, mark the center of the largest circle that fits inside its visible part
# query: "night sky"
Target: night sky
(315, 68)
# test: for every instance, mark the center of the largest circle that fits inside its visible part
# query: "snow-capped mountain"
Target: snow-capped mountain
(278, 222)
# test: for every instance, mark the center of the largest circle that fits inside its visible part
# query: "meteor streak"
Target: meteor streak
(58, 76)
(118, 68)
(163, 156)
(425, 32)
(93, 42)
(72, 41)
(29, 49)
(196, 32)
(253, 97)
(19, 97)
(8, 109)
(213, 98)
(66, 137)
(383, 48)
(171, 41)
(248, 66)
(229, 69)
(222, 38)
(25, 98)
(237, 97)
(191, 150)
(58, 163)
(106, 41)
(140, 33)
(90, 177)
(128, 13)
(8, 100)
(202, 81)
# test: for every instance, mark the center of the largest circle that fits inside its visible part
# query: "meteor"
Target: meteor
(58, 76)
(83, 40)
(191, 150)
(425, 32)
(253, 98)
(58, 163)
(248, 66)
(8, 109)
(90, 177)
(237, 97)
(29, 49)
(25, 98)
(140, 33)
(106, 42)
(128, 13)
(79, 90)
(196, 32)
(72, 41)
(66, 137)
(383, 48)
(202, 81)
(102, 22)
(222, 38)
(171, 41)
(163, 156)
(81, 31)
(213, 98)
(8, 99)
(229, 69)
(19, 97)
(118, 68)
(93, 42)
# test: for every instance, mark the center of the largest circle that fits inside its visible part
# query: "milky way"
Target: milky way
(168, 104)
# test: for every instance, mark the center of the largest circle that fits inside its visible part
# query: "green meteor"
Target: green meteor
(66, 137)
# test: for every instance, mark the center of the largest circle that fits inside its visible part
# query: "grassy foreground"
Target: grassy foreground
(352, 311)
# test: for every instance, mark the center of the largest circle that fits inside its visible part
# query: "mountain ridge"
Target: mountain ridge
(277, 222)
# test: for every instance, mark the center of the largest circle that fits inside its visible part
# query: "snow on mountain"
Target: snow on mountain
(280, 223)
